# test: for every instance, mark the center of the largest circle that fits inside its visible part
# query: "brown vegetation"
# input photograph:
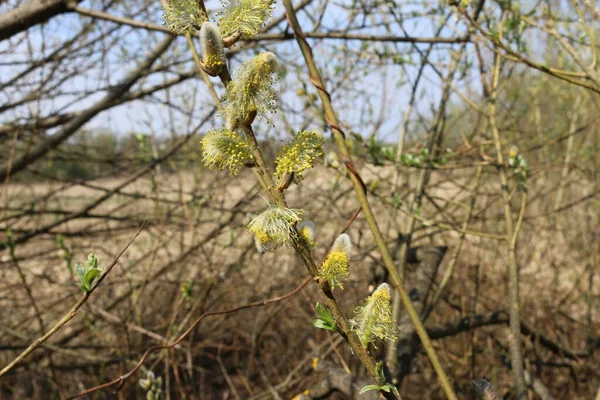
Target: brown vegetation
(500, 258)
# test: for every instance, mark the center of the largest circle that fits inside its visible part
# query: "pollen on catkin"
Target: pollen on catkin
(211, 43)
(251, 89)
(225, 149)
(335, 267)
(300, 154)
(374, 319)
(307, 231)
(244, 16)
(274, 227)
(183, 16)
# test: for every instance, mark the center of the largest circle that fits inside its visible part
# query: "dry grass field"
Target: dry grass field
(195, 256)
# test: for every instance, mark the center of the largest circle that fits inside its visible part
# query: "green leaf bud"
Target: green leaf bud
(87, 274)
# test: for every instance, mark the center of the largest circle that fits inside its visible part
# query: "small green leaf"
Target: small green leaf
(319, 323)
(367, 388)
(396, 200)
(393, 388)
(325, 314)
(320, 310)
(89, 277)
(80, 271)
(325, 320)
(389, 387)
(88, 273)
(92, 261)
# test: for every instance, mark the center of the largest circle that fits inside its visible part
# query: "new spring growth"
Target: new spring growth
(307, 231)
(244, 16)
(183, 16)
(152, 385)
(519, 165)
(274, 227)
(225, 149)
(335, 267)
(374, 319)
(88, 273)
(251, 91)
(211, 43)
(299, 155)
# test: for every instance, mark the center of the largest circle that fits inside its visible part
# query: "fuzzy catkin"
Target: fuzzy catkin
(211, 43)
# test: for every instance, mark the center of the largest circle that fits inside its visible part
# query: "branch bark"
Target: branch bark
(32, 13)
(72, 126)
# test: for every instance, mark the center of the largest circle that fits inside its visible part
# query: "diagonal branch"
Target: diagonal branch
(360, 190)
(73, 125)
(72, 312)
(32, 13)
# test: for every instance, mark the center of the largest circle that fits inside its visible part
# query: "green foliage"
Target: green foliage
(152, 385)
(378, 152)
(519, 167)
(187, 289)
(82, 156)
(183, 16)
(326, 320)
(244, 16)
(396, 200)
(88, 273)
(66, 252)
(386, 387)
(300, 154)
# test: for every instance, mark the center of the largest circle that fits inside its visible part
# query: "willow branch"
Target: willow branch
(360, 190)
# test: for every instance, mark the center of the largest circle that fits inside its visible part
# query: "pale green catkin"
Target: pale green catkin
(244, 16)
(225, 149)
(183, 16)
(251, 90)
(211, 43)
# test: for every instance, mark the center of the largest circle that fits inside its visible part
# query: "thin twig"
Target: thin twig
(72, 312)
(121, 379)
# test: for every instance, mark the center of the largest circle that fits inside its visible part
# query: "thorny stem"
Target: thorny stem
(362, 198)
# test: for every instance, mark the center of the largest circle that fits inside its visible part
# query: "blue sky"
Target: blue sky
(358, 97)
